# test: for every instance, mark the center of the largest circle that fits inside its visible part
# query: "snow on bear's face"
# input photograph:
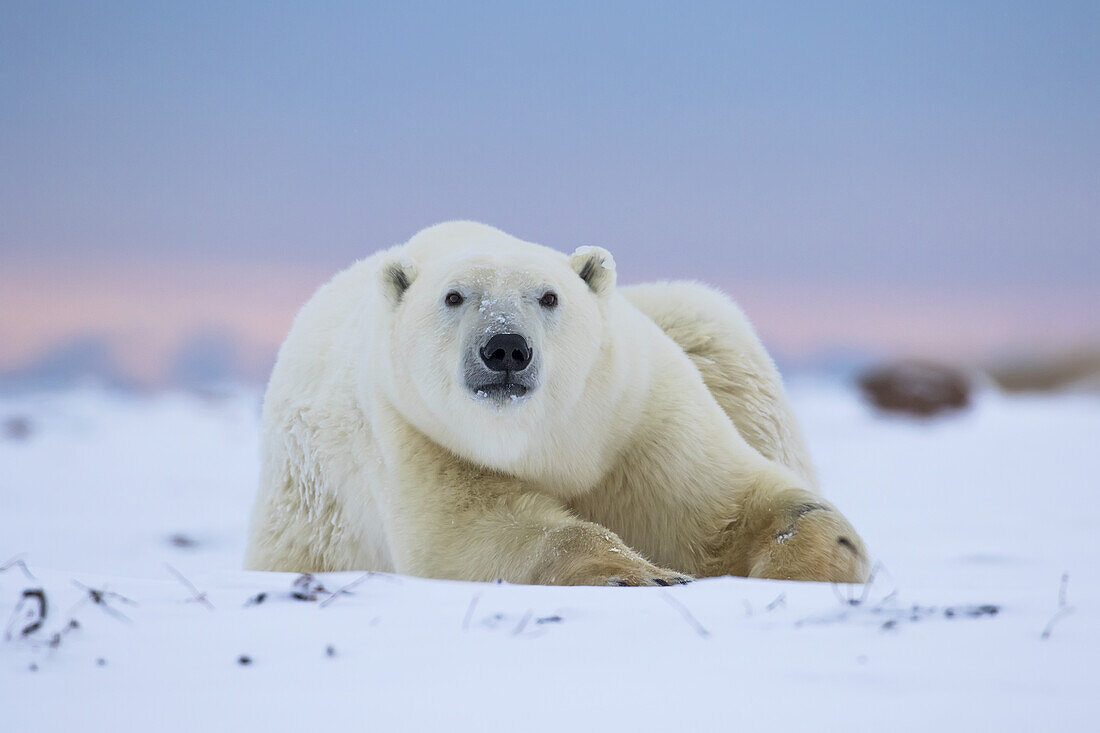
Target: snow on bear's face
(489, 349)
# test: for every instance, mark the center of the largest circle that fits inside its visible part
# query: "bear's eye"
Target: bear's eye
(453, 299)
(549, 299)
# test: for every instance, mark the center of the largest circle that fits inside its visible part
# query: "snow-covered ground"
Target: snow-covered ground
(974, 520)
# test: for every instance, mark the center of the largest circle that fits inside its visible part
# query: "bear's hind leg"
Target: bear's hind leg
(741, 377)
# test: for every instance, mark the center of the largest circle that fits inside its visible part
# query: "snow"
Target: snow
(974, 520)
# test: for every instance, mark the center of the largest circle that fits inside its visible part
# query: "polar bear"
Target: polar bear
(472, 406)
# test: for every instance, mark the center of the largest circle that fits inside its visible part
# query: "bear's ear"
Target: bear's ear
(595, 266)
(395, 277)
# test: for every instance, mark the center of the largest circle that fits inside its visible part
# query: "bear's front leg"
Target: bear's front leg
(583, 553)
(789, 534)
(492, 531)
(451, 519)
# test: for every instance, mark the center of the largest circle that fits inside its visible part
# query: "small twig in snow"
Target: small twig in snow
(887, 599)
(306, 587)
(847, 599)
(1063, 608)
(17, 562)
(522, 623)
(345, 589)
(692, 621)
(55, 640)
(32, 608)
(102, 598)
(196, 595)
(871, 578)
(470, 612)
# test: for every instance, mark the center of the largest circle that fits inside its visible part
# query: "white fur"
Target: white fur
(657, 442)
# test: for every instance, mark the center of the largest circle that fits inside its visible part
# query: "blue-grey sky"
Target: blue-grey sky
(940, 147)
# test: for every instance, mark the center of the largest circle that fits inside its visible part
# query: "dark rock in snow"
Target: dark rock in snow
(1077, 371)
(17, 427)
(916, 388)
(182, 541)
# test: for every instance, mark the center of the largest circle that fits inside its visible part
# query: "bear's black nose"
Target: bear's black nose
(506, 352)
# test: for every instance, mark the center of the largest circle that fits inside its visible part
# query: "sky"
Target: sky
(880, 178)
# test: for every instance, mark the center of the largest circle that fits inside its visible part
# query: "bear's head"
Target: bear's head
(488, 337)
